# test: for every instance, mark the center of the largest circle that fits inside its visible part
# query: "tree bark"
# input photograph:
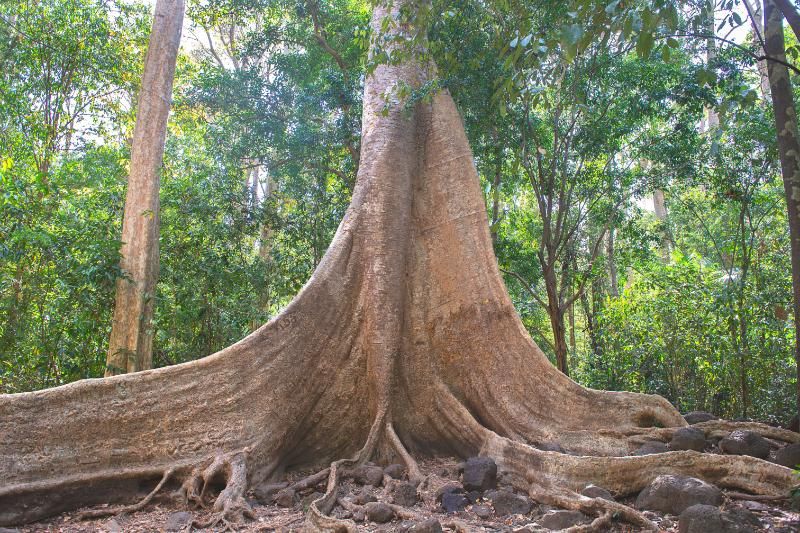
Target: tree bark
(403, 342)
(130, 346)
(789, 150)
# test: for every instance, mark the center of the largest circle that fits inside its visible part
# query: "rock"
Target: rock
(788, 456)
(651, 447)
(741, 520)
(480, 473)
(112, 526)
(672, 494)
(794, 424)
(266, 492)
(368, 475)
(453, 502)
(695, 417)
(701, 519)
(285, 498)
(404, 494)
(709, 519)
(177, 521)
(473, 496)
(755, 506)
(482, 511)
(395, 471)
(743, 442)
(506, 502)
(688, 439)
(430, 525)
(378, 512)
(559, 520)
(359, 515)
(364, 497)
(449, 488)
(593, 491)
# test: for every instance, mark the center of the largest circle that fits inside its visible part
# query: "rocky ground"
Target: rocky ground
(474, 496)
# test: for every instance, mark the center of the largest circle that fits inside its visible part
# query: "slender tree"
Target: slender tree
(403, 341)
(130, 347)
(788, 147)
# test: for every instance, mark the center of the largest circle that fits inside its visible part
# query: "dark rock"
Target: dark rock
(672, 494)
(482, 511)
(709, 519)
(741, 520)
(480, 473)
(285, 498)
(473, 496)
(559, 520)
(364, 497)
(266, 492)
(368, 475)
(378, 512)
(430, 525)
(743, 442)
(688, 439)
(651, 447)
(447, 488)
(395, 471)
(755, 506)
(453, 502)
(794, 424)
(695, 417)
(506, 502)
(701, 519)
(593, 491)
(404, 494)
(788, 456)
(177, 521)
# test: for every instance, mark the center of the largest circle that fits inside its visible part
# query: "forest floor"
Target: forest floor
(168, 515)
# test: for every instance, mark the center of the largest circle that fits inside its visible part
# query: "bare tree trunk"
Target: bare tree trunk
(755, 14)
(403, 341)
(130, 347)
(612, 263)
(660, 208)
(712, 117)
(789, 150)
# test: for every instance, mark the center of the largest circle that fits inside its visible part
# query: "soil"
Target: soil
(776, 517)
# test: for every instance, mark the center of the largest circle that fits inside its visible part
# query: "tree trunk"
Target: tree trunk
(789, 150)
(612, 264)
(130, 347)
(660, 208)
(404, 341)
(712, 117)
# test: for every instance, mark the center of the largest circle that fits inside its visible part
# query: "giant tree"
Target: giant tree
(403, 342)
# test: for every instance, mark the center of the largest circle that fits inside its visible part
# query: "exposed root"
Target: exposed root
(721, 428)
(414, 473)
(100, 513)
(600, 507)
(230, 506)
(601, 522)
(756, 497)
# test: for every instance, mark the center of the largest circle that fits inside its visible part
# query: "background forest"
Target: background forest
(632, 182)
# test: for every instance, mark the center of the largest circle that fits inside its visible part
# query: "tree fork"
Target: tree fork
(403, 342)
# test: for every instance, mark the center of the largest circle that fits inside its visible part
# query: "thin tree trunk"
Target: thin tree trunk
(612, 264)
(660, 208)
(556, 315)
(789, 150)
(131, 344)
(712, 118)
(755, 12)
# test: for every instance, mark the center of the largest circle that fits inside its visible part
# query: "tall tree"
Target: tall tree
(788, 147)
(130, 347)
(403, 340)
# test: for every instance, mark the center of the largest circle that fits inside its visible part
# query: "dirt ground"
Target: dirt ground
(775, 517)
